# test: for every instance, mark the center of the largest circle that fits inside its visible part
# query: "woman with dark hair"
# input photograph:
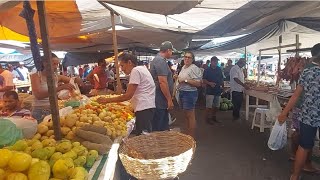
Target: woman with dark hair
(189, 79)
(141, 91)
(41, 104)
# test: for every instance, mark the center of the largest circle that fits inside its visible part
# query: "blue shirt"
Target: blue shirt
(310, 109)
(213, 75)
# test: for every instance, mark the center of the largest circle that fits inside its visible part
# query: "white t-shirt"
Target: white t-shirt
(144, 97)
(25, 72)
(6, 79)
(236, 72)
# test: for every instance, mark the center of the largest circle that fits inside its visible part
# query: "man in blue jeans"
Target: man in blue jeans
(162, 76)
(237, 87)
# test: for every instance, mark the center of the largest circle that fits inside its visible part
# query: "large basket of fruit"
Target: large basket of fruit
(157, 155)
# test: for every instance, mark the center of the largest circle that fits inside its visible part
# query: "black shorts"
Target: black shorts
(143, 120)
(307, 136)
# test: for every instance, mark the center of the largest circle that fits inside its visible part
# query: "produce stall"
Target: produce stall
(91, 134)
(266, 93)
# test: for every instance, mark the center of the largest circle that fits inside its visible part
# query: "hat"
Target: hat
(21, 63)
(214, 58)
(166, 45)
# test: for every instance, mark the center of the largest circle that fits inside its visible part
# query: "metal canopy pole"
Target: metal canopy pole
(115, 45)
(50, 72)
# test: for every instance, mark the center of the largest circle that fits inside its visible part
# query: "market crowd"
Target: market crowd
(154, 88)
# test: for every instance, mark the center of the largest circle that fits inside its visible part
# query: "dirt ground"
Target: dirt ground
(232, 151)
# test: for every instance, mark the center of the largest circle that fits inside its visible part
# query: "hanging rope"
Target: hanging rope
(27, 13)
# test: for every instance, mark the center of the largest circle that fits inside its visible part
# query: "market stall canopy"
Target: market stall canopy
(75, 59)
(64, 18)
(307, 28)
(168, 7)
(74, 20)
(257, 14)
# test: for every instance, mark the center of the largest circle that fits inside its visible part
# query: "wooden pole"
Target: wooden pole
(50, 72)
(297, 45)
(115, 50)
(259, 68)
(279, 61)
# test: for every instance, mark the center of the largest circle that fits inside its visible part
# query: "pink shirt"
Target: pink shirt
(144, 96)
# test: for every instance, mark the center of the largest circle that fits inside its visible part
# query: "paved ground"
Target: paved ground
(232, 151)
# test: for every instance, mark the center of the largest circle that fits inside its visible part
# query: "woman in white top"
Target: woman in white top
(141, 91)
(41, 104)
(189, 79)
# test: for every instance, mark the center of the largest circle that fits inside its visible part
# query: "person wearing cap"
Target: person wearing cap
(163, 79)
(237, 87)
(213, 79)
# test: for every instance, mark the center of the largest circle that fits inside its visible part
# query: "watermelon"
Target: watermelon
(224, 106)
(224, 100)
(230, 105)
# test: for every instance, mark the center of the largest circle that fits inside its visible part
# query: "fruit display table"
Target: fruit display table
(105, 168)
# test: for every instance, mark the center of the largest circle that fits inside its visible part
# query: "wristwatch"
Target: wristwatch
(186, 81)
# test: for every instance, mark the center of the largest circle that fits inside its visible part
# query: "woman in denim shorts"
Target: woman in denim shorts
(189, 79)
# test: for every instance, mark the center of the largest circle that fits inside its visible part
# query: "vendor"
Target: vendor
(99, 78)
(41, 104)
(141, 91)
(19, 116)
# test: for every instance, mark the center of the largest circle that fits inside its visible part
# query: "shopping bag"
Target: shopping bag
(278, 136)
(275, 110)
(176, 91)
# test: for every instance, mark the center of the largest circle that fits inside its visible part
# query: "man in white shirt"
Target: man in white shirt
(6, 81)
(23, 71)
(141, 91)
(237, 86)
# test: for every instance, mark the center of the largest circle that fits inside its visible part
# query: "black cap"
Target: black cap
(166, 45)
(214, 58)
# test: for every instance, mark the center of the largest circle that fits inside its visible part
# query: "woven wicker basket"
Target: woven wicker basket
(158, 155)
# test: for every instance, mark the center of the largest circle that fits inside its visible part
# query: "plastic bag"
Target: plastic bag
(278, 136)
(27, 125)
(275, 110)
(66, 94)
(62, 112)
(176, 91)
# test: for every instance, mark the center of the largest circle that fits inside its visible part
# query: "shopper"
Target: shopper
(41, 104)
(237, 87)
(23, 71)
(227, 69)
(141, 92)
(162, 77)
(189, 79)
(213, 79)
(6, 81)
(99, 78)
(295, 122)
(309, 119)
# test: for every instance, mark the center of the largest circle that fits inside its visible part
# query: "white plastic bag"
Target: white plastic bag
(27, 125)
(275, 110)
(176, 91)
(278, 136)
(66, 94)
